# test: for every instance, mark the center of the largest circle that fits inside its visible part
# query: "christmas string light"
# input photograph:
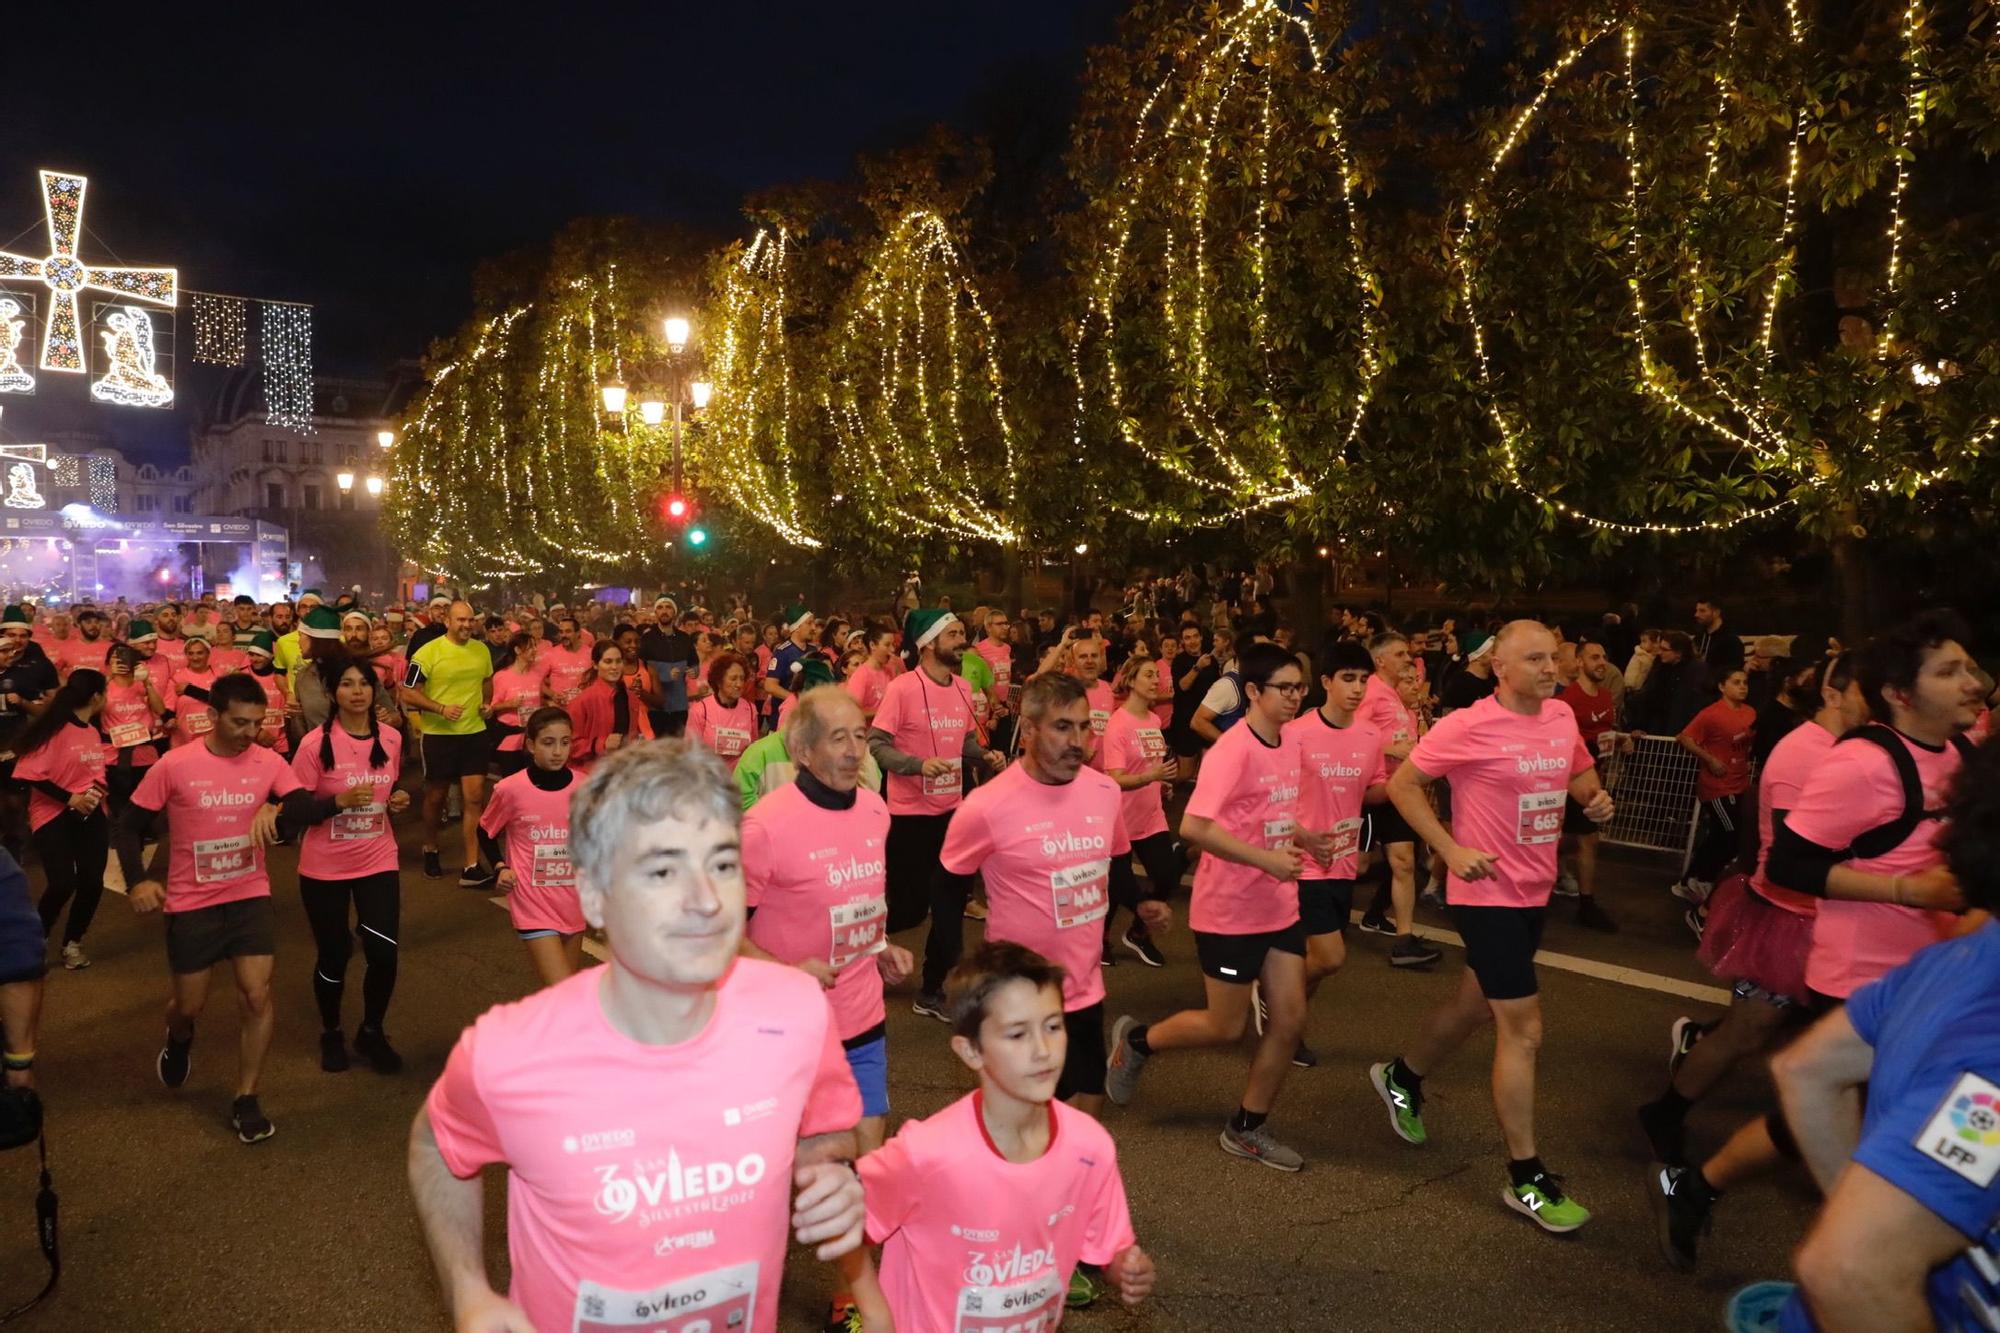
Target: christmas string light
(221, 329)
(285, 342)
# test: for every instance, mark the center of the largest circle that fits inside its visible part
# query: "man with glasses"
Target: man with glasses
(1245, 912)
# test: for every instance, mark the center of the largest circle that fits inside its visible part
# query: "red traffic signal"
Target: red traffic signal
(676, 509)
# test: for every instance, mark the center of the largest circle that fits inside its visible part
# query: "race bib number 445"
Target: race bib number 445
(1540, 817)
(723, 1301)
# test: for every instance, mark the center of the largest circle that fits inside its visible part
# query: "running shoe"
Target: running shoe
(1259, 1145)
(1149, 952)
(333, 1052)
(1683, 1037)
(1693, 891)
(930, 1006)
(1592, 917)
(176, 1059)
(1681, 1213)
(1304, 1057)
(372, 1045)
(975, 910)
(1406, 1106)
(249, 1121)
(433, 867)
(1107, 958)
(1086, 1284)
(476, 876)
(74, 958)
(1759, 1307)
(1543, 1202)
(1696, 919)
(1121, 1071)
(1409, 951)
(1433, 898)
(1259, 1015)
(1667, 1134)
(1374, 922)
(844, 1316)
(1566, 886)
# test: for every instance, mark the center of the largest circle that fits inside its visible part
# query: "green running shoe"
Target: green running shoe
(1406, 1107)
(1543, 1202)
(1085, 1286)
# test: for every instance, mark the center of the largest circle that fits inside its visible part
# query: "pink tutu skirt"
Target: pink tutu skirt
(1747, 938)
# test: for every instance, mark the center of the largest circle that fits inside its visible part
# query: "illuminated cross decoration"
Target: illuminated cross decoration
(65, 275)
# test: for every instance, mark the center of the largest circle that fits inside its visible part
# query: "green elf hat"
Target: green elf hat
(259, 644)
(814, 672)
(15, 615)
(926, 623)
(320, 623)
(795, 616)
(140, 631)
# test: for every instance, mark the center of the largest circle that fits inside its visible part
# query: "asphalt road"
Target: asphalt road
(170, 1224)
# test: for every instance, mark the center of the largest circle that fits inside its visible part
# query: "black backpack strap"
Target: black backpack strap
(1885, 838)
(45, 1235)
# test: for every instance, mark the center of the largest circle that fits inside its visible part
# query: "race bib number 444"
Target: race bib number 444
(723, 1301)
(1080, 894)
(1540, 817)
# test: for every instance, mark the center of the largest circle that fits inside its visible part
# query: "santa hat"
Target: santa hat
(258, 644)
(355, 613)
(796, 616)
(140, 631)
(926, 623)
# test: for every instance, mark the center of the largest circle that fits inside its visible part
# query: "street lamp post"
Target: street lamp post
(672, 379)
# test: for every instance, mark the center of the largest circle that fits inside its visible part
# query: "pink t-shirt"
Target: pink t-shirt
(225, 660)
(927, 720)
(647, 1179)
(173, 651)
(816, 878)
(726, 731)
(974, 1243)
(210, 803)
(1103, 703)
(1252, 790)
(1135, 746)
(1510, 776)
(516, 695)
(1779, 782)
(129, 721)
(193, 718)
(356, 842)
(1045, 853)
(567, 671)
(1383, 710)
(532, 828)
(1337, 765)
(867, 684)
(77, 651)
(1854, 789)
(273, 685)
(999, 659)
(73, 759)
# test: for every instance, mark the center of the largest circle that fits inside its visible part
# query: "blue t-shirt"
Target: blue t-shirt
(1932, 1125)
(782, 658)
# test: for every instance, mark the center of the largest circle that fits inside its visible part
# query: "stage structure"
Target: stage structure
(67, 554)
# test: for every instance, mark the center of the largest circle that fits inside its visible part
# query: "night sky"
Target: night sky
(365, 160)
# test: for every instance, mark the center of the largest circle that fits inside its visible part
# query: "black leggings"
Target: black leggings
(918, 883)
(73, 849)
(1165, 864)
(377, 901)
(1718, 838)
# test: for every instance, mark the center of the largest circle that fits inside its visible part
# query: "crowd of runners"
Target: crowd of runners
(748, 812)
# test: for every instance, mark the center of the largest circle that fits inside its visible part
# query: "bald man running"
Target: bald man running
(448, 680)
(1512, 759)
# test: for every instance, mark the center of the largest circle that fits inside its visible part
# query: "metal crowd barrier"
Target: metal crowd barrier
(1653, 787)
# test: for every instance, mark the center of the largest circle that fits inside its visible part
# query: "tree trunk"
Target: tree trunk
(1854, 587)
(1015, 595)
(1308, 580)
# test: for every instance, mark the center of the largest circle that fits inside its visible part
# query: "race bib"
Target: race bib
(198, 723)
(217, 859)
(856, 930)
(724, 1301)
(1541, 817)
(1033, 1306)
(1079, 894)
(526, 704)
(1152, 744)
(945, 784)
(553, 868)
(362, 822)
(731, 741)
(1100, 718)
(1003, 673)
(1278, 833)
(124, 735)
(1346, 839)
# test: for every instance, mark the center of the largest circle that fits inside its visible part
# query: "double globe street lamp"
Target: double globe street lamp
(667, 389)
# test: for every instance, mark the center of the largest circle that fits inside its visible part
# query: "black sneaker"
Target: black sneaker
(1666, 1133)
(433, 867)
(1432, 898)
(332, 1052)
(372, 1045)
(1592, 917)
(176, 1059)
(1149, 952)
(1107, 958)
(475, 876)
(1409, 951)
(1377, 923)
(1304, 1057)
(930, 1006)
(1685, 1035)
(1682, 1211)
(1696, 919)
(249, 1121)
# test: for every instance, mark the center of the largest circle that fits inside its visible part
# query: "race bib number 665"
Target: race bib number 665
(1541, 817)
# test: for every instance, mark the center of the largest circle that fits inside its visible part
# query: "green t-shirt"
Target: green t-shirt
(978, 672)
(451, 673)
(763, 768)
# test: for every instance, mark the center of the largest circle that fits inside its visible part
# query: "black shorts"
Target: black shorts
(1083, 1067)
(1500, 944)
(1386, 825)
(1239, 959)
(198, 940)
(1325, 905)
(448, 758)
(1574, 820)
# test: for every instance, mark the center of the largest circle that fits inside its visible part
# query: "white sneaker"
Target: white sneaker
(74, 958)
(1566, 886)
(1693, 891)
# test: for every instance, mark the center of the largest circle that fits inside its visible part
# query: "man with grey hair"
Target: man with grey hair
(680, 1092)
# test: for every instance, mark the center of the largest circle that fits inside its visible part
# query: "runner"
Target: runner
(724, 721)
(1719, 737)
(1510, 760)
(813, 872)
(258, 649)
(193, 718)
(449, 679)
(923, 737)
(629, 1083)
(870, 680)
(524, 832)
(1137, 758)
(59, 758)
(566, 664)
(217, 798)
(1383, 711)
(170, 643)
(607, 714)
(1596, 709)
(1044, 1176)
(517, 693)
(350, 860)
(1086, 663)
(1245, 914)
(90, 644)
(787, 659)
(1862, 839)
(133, 709)
(1341, 768)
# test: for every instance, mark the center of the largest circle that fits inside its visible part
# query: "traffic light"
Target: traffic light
(676, 509)
(697, 536)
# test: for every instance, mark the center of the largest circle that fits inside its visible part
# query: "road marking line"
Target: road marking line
(590, 946)
(1590, 967)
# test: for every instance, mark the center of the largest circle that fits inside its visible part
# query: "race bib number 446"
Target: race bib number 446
(723, 1301)
(1540, 817)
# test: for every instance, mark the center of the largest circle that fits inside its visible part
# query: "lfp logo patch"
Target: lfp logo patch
(1963, 1135)
(1977, 1117)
